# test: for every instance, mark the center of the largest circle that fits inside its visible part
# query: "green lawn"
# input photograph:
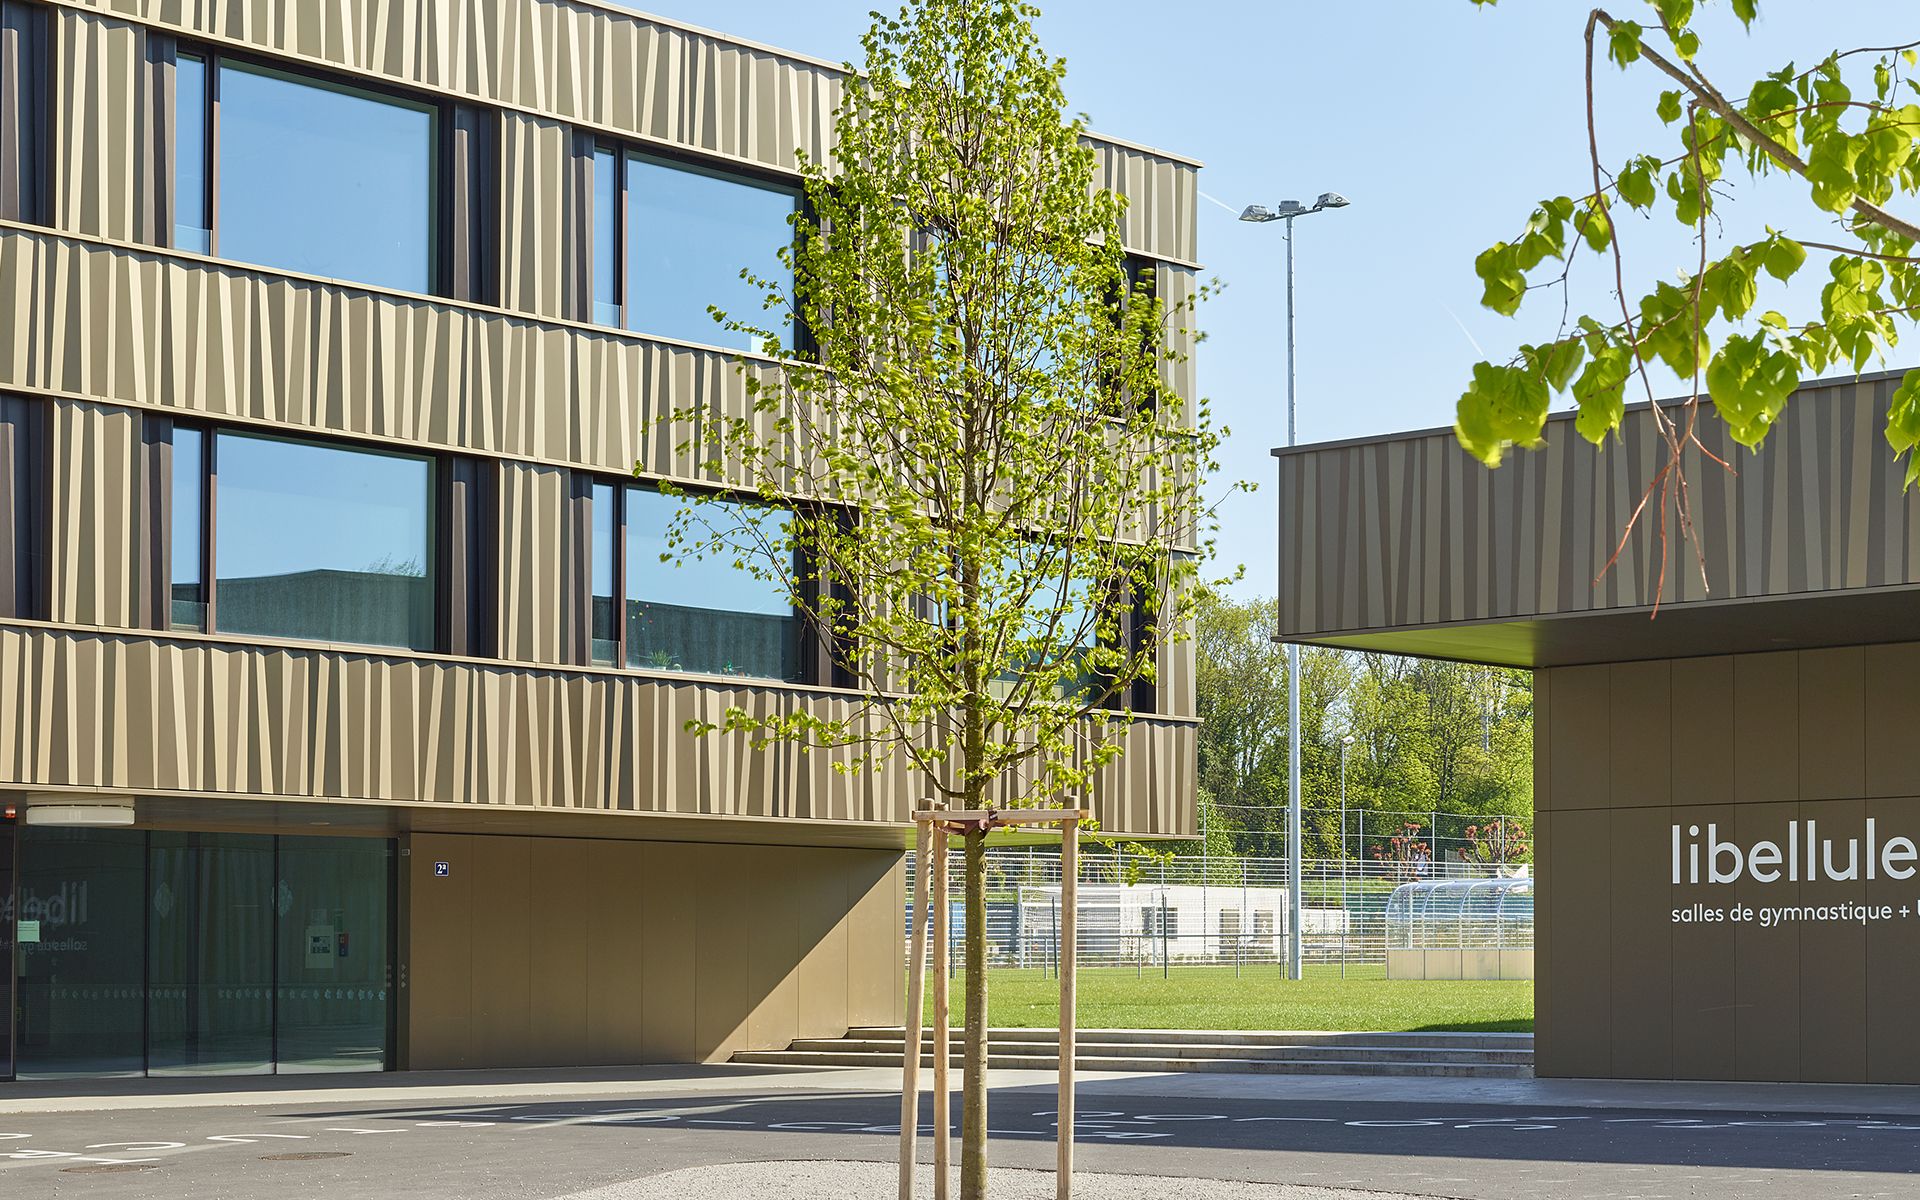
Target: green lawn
(1212, 998)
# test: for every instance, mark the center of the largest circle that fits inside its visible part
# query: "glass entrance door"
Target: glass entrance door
(8, 914)
(173, 953)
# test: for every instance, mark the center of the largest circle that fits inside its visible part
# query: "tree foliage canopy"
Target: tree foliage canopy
(1429, 736)
(1847, 127)
(992, 479)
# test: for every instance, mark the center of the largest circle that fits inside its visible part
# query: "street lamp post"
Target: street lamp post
(1259, 214)
(1346, 743)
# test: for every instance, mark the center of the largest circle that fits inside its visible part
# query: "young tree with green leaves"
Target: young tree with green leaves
(1847, 127)
(971, 470)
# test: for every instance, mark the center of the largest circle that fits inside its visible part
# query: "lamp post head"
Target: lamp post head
(1347, 740)
(1259, 214)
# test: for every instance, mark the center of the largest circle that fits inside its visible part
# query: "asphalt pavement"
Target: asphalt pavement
(546, 1135)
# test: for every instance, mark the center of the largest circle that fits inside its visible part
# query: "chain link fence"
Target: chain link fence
(1156, 914)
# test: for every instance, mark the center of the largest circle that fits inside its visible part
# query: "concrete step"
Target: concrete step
(1475, 1055)
(1097, 1046)
(1255, 1037)
(1141, 1063)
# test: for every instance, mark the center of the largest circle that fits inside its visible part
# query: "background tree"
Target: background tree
(974, 477)
(1429, 736)
(1846, 127)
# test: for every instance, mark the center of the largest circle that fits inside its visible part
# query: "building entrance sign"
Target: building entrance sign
(1804, 854)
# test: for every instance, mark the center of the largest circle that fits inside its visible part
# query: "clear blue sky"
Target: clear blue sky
(1443, 123)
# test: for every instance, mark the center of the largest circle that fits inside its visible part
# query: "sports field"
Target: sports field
(1213, 998)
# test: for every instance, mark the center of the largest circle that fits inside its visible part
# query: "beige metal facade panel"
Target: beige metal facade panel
(155, 714)
(544, 951)
(616, 72)
(1161, 195)
(1745, 744)
(102, 144)
(1407, 532)
(211, 341)
(98, 473)
(536, 559)
(541, 226)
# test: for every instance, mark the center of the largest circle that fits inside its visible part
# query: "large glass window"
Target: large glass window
(323, 542)
(306, 175)
(82, 953)
(174, 953)
(690, 612)
(187, 568)
(333, 952)
(193, 125)
(688, 234)
(210, 928)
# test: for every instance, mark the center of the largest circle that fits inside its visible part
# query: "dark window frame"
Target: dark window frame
(441, 234)
(624, 153)
(824, 660)
(448, 566)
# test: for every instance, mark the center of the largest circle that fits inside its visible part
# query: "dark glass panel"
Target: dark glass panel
(209, 953)
(192, 223)
(82, 980)
(324, 542)
(689, 234)
(325, 180)
(334, 953)
(704, 614)
(187, 580)
(606, 634)
(7, 915)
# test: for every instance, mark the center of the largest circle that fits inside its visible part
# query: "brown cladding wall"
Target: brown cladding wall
(1746, 743)
(210, 715)
(1411, 531)
(568, 952)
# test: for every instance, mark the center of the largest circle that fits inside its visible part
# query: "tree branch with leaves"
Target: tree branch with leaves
(1848, 128)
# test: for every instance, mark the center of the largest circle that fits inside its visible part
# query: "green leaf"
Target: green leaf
(1503, 406)
(1750, 384)
(1782, 257)
(1623, 42)
(1830, 170)
(1503, 282)
(1636, 182)
(1669, 109)
(1746, 10)
(1601, 393)
(1687, 45)
(1595, 227)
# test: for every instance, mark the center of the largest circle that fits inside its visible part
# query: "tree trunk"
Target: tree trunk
(973, 1110)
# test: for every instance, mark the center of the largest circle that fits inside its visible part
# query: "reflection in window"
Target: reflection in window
(606, 601)
(606, 238)
(187, 572)
(704, 614)
(324, 180)
(689, 234)
(210, 932)
(323, 542)
(81, 986)
(1059, 630)
(192, 222)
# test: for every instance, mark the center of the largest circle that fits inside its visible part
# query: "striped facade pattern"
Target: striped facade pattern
(602, 68)
(110, 330)
(183, 713)
(542, 218)
(98, 521)
(103, 130)
(1412, 531)
(149, 330)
